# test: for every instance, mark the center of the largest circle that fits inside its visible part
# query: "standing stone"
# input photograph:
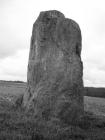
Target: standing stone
(54, 79)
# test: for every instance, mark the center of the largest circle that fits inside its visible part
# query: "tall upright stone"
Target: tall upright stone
(54, 78)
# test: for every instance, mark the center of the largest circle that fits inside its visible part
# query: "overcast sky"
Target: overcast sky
(17, 18)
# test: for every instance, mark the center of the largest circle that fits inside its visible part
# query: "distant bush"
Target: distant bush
(94, 92)
(18, 81)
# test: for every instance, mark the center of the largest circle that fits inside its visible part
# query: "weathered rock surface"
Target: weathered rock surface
(54, 79)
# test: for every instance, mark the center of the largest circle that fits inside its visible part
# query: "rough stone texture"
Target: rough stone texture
(54, 79)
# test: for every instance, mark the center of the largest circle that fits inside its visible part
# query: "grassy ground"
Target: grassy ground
(95, 105)
(16, 124)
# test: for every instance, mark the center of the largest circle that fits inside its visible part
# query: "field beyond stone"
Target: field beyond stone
(16, 124)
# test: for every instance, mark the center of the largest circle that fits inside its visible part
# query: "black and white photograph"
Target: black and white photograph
(52, 70)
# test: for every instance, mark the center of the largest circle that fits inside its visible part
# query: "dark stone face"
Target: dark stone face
(54, 79)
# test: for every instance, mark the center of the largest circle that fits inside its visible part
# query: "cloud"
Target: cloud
(94, 74)
(14, 67)
(15, 29)
(17, 18)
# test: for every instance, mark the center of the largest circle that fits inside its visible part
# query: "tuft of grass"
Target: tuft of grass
(16, 124)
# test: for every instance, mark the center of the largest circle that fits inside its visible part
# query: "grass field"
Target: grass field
(16, 124)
